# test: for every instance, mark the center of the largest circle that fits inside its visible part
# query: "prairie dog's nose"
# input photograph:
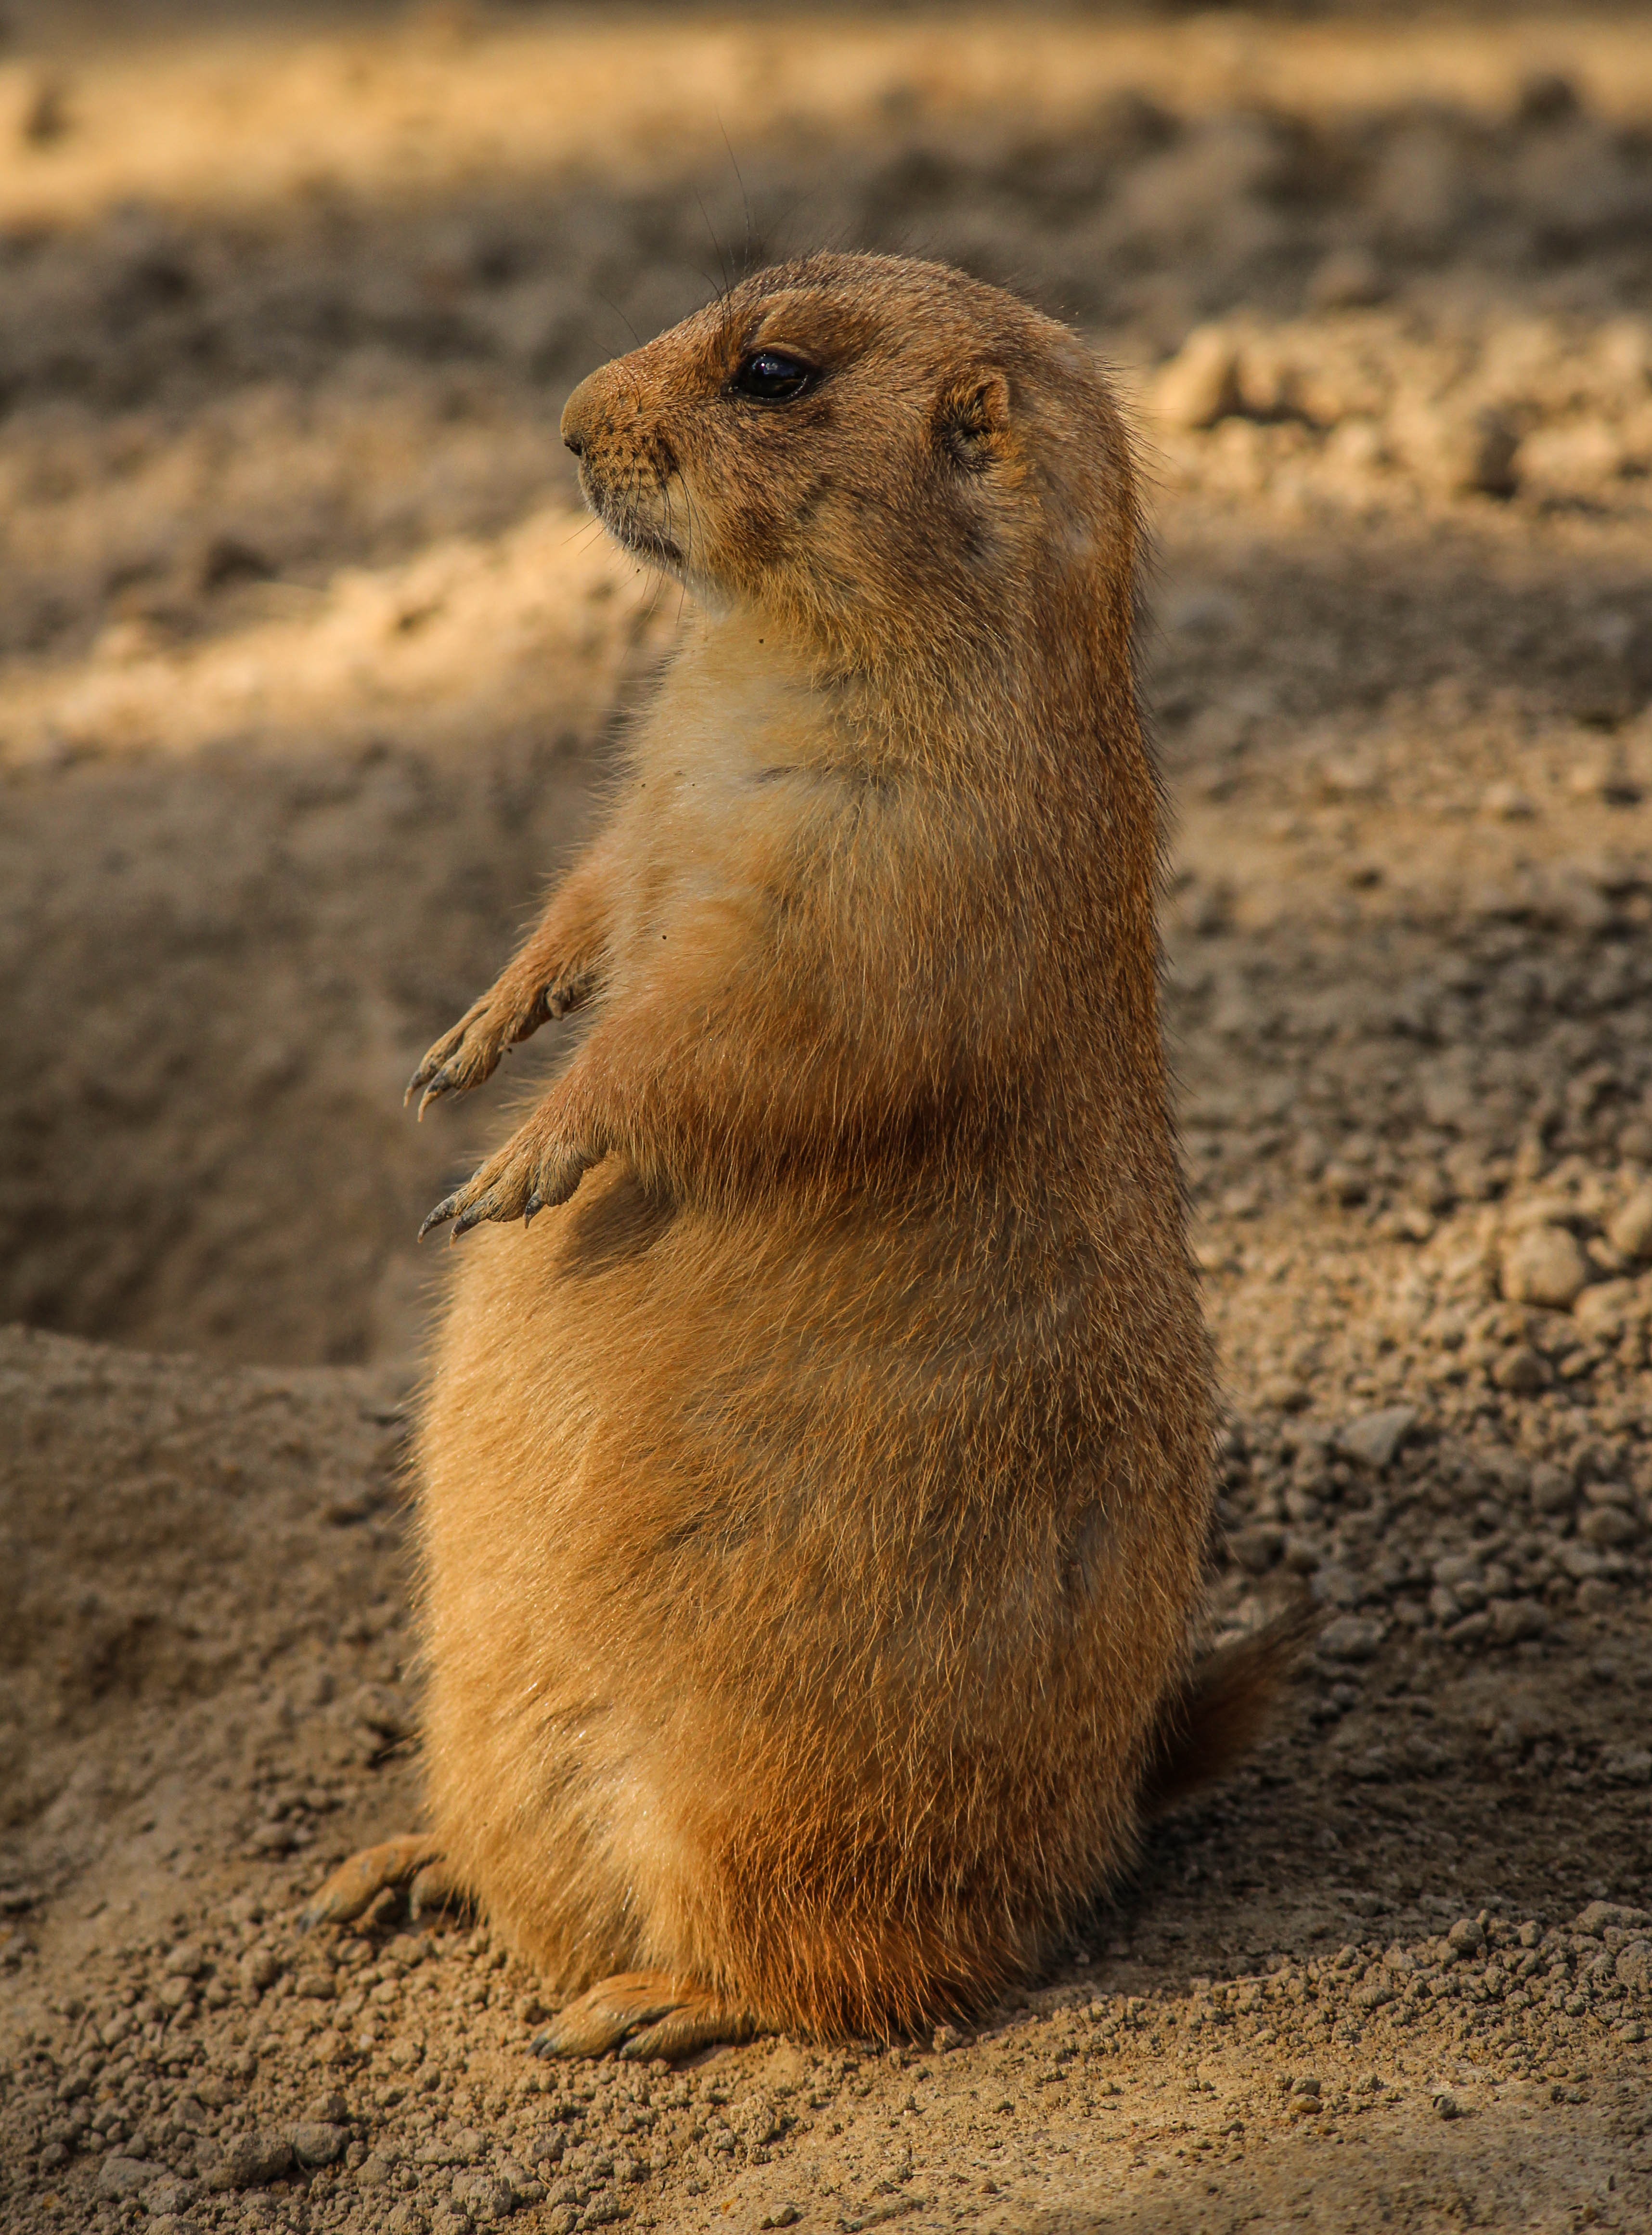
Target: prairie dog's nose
(577, 414)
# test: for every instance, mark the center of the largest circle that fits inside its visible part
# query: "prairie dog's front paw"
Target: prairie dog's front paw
(535, 1169)
(511, 1010)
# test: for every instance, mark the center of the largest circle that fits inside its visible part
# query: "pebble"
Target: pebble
(1350, 1638)
(1545, 1266)
(1521, 1371)
(1553, 1489)
(1629, 1231)
(1610, 1526)
(252, 2161)
(316, 2143)
(1374, 1438)
(120, 2177)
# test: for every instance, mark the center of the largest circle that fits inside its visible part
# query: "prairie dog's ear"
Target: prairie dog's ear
(972, 421)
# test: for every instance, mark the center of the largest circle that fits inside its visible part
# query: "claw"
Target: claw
(532, 1209)
(466, 1220)
(414, 1085)
(439, 1085)
(443, 1211)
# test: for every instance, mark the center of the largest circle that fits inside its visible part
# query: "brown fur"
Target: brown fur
(813, 1506)
(1223, 1708)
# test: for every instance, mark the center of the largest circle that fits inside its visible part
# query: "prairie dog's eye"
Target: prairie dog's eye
(773, 377)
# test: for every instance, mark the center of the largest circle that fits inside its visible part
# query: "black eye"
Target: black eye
(772, 376)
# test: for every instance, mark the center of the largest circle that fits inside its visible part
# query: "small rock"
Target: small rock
(1521, 1371)
(1474, 1629)
(1348, 1638)
(1444, 1604)
(1545, 1266)
(316, 2142)
(1514, 1620)
(1630, 1231)
(120, 2177)
(1283, 1393)
(1609, 1526)
(1200, 385)
(485, 2196)
(1467, 1935)
(259, 1969)
(167, 2195)
(1604, 1312)
(1459, 1573)
(275, 1839)
(328, 2109)
(315, 1986)
(1599, 1917)
(1627, 1765)
(1446, 2106)
(186, 1962)
(1553, 1488)
(1581, 1564)
(252, 2161)
(1610, 1492)
(1374, 1437)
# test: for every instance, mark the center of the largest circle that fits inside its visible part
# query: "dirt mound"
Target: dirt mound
(1393, 1917)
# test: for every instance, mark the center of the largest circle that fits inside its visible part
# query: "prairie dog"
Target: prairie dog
(814, 1501)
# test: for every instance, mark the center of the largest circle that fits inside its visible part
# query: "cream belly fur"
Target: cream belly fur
(805, 1646)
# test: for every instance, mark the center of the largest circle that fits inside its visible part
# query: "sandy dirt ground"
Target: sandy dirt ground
(310, 675)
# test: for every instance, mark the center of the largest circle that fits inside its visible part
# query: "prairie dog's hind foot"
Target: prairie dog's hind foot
(642, 2014)
(413, 1861)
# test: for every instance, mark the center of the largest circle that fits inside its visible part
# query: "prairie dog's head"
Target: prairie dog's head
(892, 457)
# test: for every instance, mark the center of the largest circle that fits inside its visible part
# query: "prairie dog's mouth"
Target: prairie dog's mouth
(630, 524)
(647, 542)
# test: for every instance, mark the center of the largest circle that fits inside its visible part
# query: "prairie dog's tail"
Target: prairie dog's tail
(1222, 1708)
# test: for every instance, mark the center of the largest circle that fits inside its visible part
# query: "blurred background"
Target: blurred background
(308, 667)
